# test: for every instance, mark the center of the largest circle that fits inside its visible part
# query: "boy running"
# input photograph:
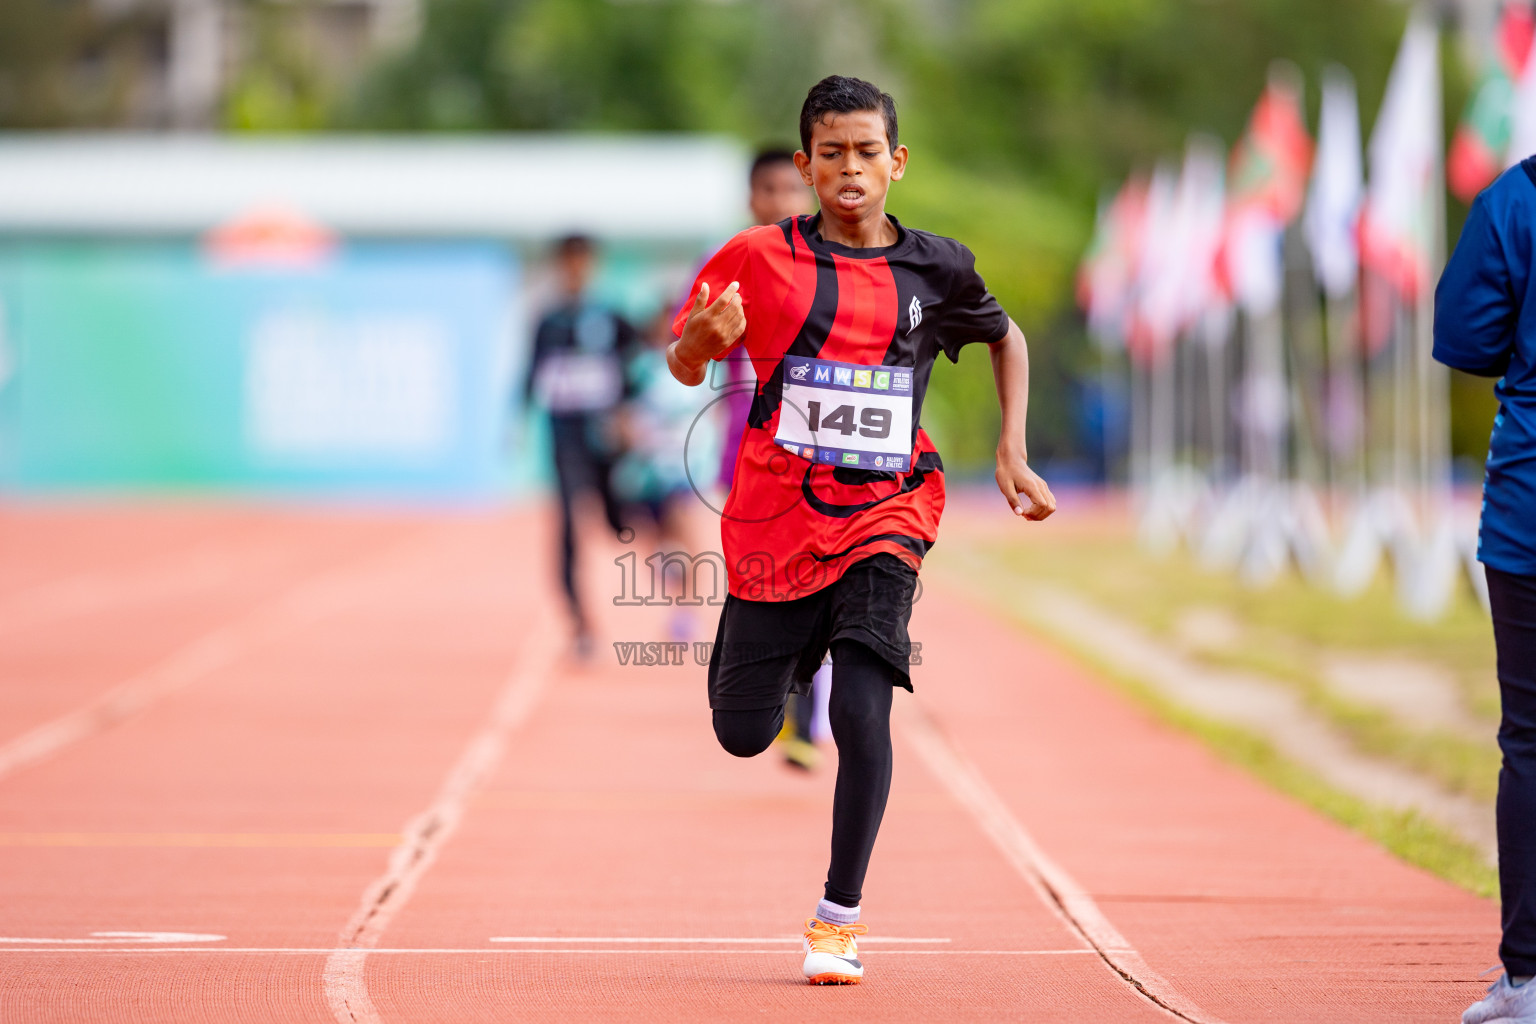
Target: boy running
(838, 490)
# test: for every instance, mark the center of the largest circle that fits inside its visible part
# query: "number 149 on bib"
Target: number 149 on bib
(846, 415)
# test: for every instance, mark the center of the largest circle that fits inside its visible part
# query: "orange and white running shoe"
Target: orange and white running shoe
(831, 954)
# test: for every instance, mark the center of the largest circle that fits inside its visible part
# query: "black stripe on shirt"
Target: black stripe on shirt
(812, 335)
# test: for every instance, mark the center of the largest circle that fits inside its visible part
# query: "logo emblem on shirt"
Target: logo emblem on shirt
(823, 374)
(879, 461)
(861, 378)
(914, 314)
(842, 375)
(882, 380)
(851, 458)
(828, 456)
(792, 448)
(799, 372)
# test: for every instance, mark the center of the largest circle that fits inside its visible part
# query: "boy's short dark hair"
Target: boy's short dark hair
(836, 94)
(574, 245)
(770, 158)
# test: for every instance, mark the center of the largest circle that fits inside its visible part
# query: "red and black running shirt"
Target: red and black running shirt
(793, 525)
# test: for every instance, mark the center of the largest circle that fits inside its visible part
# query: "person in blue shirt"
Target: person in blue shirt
(1485, 323)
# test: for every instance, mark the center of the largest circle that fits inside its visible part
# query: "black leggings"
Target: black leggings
(578, 468)
(860, 715)
(1514, 632)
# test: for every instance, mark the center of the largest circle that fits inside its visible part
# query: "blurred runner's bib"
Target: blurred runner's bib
(844, 414)
(572, 382)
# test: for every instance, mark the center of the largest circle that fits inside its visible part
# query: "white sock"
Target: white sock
(833, 913)
(1516, 980)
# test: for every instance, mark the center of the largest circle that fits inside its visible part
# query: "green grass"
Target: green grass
(1286, 630)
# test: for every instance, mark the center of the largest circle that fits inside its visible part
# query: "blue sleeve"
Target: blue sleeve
(1475, 308)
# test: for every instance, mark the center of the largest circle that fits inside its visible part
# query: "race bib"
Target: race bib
(843, 414)
(574, 382)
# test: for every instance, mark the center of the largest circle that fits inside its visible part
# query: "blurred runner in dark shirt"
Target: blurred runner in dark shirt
(577, 375)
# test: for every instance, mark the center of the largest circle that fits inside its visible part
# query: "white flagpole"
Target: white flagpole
(1346, 400)
(1141, 434)
(1407, 153)
(1331, 224)
(1438, 566)
(1216, 330)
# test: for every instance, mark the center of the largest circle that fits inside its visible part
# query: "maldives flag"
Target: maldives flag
(1270, 163)
(1477, 150)
(1268, 183)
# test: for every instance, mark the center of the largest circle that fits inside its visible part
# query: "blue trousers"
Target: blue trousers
(1513, 599)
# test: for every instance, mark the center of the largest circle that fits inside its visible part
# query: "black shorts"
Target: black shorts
(765, 650)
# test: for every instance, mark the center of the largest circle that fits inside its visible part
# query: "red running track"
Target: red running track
(272, 766)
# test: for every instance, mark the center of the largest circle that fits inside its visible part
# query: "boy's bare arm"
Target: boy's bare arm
(712, 328)
(1026, 492)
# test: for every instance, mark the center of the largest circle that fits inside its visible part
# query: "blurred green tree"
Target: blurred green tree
(66, 64)
(1018, 114)
(280, 83)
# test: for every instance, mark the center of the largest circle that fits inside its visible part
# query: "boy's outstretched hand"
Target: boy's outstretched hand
(1026, 492)
(711, 330)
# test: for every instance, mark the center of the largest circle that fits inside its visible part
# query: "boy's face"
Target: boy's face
(573, 269)
(777, 193)
(851, 165)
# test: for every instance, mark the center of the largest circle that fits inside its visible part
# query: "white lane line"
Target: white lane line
(685, 939)
(100, 937)
(328, 951)
(326, 592)
(1057, 890)
(346, 990)
(195, 840)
